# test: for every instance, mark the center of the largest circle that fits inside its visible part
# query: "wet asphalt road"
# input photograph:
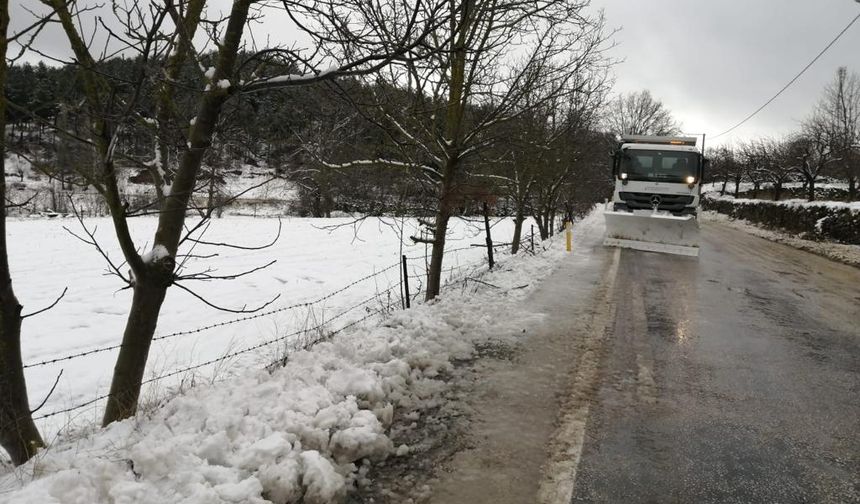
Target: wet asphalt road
(734, 377)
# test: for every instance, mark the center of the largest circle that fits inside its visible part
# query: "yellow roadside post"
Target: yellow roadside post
(568, 234)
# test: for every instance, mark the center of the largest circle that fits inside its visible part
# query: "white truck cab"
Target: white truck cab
(655, 204)
(658, 173)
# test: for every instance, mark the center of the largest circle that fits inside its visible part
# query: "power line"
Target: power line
(792, 81)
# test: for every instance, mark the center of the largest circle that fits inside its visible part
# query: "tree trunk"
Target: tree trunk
(542, 231)
(852, 188)
(434, 272)
(164, 97)
(453, 134)
(547, 224)
(489, 236)
(210, 197)
(136, 340)
(519, 218)
(18, 434)
(723, 189)
(737, 186)
(443, 215)
(810, 182)
(154, 278)
(777, 191)
(316, 205)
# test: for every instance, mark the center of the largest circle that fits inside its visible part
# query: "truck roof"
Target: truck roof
(658, 140)
(664, 147)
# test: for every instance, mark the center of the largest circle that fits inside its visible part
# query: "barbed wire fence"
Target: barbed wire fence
(381, 303)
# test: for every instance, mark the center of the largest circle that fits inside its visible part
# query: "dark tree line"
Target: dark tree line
(286, 134)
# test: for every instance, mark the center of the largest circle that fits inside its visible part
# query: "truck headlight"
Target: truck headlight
(691, 179)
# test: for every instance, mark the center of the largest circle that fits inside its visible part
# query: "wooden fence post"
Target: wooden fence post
(533, 238)
(406, 281)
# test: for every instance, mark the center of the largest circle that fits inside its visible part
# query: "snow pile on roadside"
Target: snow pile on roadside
(308, 431)
(848, 254)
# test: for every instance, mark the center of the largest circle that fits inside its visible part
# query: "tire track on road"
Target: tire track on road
(566, 443)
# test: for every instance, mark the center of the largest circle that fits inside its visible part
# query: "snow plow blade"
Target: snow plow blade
(653, 232)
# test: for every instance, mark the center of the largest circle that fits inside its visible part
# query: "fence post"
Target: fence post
(533, 238)
(406, 281)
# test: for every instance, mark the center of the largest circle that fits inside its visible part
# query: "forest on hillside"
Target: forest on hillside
(308, 135)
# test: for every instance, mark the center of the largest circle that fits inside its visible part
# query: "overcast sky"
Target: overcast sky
(711, 62)
(714, 62)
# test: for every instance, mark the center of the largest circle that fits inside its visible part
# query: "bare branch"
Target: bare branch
(50, 393)
(47, 307)
(206, 276)
(240, 247)
(12, 204)
(221, 308)
(114, 269)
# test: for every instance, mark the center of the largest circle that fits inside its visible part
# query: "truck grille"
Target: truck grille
(668, 202)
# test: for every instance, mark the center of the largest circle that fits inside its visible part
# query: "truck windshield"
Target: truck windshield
(659, 165)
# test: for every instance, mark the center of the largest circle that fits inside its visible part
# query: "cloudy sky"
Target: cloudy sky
(711, 62)
(714, 62)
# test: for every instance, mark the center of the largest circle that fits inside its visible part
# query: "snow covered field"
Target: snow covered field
(309, 430)
(311, 263)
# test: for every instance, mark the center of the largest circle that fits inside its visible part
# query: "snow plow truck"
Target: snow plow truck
(655, 204)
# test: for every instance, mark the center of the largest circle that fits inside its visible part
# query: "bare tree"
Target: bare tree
(811, 154)
(736, 171)
(723, 166)
(542, 152)
(779, 165)
(838, 115)
(484, 68)
(754, 158)
(767, 160)
(513, 165)
(569, 184)
(18, 433)
(353, 37)
(639, 113)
